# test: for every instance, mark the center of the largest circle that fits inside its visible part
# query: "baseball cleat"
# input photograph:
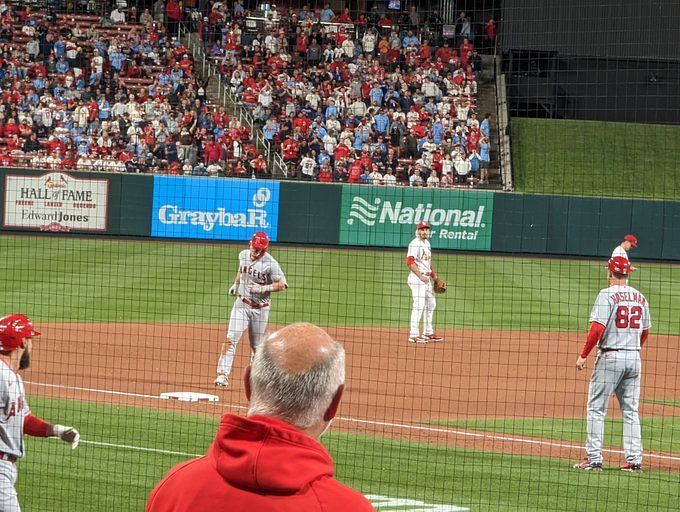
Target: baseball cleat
(417, 339)
(432, 337)
(631, 468)
(222, 380)
(586, 465)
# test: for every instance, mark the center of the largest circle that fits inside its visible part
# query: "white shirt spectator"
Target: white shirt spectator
(348, 48)
(389, 179)
(433, 181)
(369, 42)
(376, 178)
(117, 16)
(307, 166)
(329, 143)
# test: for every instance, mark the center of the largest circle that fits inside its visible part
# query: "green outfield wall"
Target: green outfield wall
(332, 214)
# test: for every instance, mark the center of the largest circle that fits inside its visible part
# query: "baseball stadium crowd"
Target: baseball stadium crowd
(365, 100)
(113, 94)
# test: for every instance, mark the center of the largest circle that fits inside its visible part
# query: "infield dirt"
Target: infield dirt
(395, 389)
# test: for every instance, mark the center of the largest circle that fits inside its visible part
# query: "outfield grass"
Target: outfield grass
(658, 433)
(120, 476)
(99, 280)
(596, 158)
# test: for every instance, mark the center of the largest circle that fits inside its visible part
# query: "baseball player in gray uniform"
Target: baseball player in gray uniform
(259, 274)
(16, 419)
(619, 326)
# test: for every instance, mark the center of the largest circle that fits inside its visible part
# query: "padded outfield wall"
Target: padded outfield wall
(193, 208)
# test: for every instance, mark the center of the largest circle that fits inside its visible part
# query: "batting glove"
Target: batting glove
(67, 434)
(234, 289)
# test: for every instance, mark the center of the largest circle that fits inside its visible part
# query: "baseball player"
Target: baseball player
(629, 242)
(419, 261)
(620, 323)
(259, 274)
(16, 419)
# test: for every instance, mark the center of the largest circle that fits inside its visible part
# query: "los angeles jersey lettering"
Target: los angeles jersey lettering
(624, 312)
(13, 409)
(421, 252)
(265, 270)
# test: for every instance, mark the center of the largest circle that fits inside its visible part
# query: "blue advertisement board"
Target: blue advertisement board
(214, 209)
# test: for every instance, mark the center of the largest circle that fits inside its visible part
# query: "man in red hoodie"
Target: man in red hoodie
(272, 458)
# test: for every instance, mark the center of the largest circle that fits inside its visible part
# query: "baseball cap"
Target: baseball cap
(632, 239)
(423, 225)
(620, 265)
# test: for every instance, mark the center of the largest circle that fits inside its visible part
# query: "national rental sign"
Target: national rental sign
(387, 216)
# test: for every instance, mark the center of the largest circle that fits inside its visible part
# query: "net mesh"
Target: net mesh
(466, 400)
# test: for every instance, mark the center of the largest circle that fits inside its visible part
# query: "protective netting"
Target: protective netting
(181, 182)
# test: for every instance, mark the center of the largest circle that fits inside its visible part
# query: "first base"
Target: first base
(189, 396)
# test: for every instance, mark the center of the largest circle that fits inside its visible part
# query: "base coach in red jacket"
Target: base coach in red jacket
(272, 460)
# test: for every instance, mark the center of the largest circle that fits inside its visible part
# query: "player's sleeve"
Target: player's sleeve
(412, 251)
(277, 274)
(601, 309)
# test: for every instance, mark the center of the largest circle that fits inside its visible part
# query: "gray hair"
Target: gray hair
(300, 399)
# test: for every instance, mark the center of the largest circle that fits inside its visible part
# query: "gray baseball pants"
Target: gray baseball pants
(615, 372)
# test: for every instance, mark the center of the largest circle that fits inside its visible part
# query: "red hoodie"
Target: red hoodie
(257, 463)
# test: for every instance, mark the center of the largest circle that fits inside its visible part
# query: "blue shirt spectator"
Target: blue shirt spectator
(376, 95)
(484, 127)
(62, 66)
(381, 123)
(327, 13)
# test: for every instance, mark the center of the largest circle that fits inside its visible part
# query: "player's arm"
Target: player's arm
(237, 280)
(594, 335)
(34, 426)
(413, 267)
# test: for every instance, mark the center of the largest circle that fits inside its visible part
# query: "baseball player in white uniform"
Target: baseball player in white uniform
(16, 419)
(629, 242)
(259, 274)
(619, 326)
(419, 261)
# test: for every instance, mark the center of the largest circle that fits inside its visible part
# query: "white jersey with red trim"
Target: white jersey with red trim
(620, 251)
(13, 409)
(264, 270)
(624, 313)
(421, 252)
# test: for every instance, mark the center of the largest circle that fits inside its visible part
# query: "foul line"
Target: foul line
(140, 449)
(402, 426)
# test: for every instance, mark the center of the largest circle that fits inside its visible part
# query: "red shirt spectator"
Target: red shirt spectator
(173, 10)
(213, 152)
(325, 175)
(290, 148)
(355, 171)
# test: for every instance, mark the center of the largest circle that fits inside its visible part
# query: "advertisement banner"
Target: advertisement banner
(387, 217)
(55, 201)
(214, 209)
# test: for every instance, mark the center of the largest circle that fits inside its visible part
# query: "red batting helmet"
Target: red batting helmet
(260, 241)
(14, 329)
(423, 225)
(619, 265)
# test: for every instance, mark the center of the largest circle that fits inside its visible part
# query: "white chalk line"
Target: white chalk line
(402, 426)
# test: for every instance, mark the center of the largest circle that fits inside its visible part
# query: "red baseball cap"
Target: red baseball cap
(423, 225)
(632, 239)
(620, 265)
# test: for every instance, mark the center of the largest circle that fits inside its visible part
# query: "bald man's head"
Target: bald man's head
(296, 373)
(299, 347)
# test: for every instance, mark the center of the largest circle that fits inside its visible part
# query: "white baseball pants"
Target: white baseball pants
(423, 302)
(9, 502)
(243, 317)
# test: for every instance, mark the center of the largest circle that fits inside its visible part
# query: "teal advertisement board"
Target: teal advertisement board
(387, 216)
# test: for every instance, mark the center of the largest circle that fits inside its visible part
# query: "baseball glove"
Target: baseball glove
(439, 286)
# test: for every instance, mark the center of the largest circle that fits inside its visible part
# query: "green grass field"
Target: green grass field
(596, 158)
(96, 280)
(126, 450)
